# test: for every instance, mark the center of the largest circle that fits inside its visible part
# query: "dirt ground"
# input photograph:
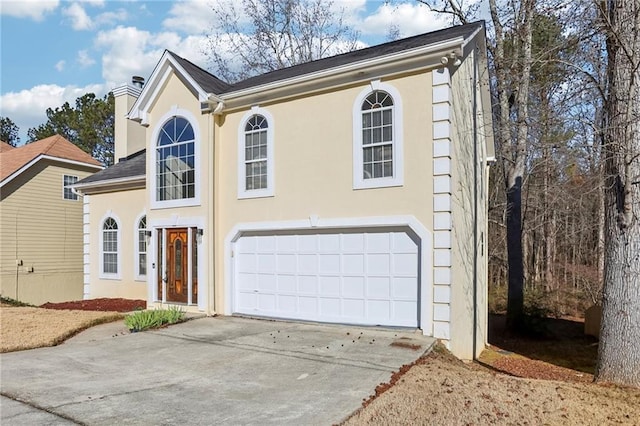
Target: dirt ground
(545, 378)
(30, 327)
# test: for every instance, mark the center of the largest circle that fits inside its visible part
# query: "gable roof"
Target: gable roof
(213, 92)
(14, 161)
(5, 146)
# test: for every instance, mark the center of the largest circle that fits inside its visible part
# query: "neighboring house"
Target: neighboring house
(41, 245)
(350, 189)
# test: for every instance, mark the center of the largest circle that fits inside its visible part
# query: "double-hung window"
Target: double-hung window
(110, 236)
(377, 138)
(255, 154)
(67, 192)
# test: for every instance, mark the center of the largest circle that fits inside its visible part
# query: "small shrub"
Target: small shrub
(145, 320)
(14, 302)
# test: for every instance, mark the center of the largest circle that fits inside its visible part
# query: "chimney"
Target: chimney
(137, 81)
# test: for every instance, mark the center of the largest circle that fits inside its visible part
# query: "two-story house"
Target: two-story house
(350, 189)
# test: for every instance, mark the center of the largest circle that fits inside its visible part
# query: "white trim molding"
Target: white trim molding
(86, 247)
(442, 215)
(397, 154)
(269, 191)
(425, 300)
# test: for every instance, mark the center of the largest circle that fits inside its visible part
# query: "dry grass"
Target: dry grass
(27, 328)
(440, 389)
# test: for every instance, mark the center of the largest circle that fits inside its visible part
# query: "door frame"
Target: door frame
(157, 226)
(380, 223)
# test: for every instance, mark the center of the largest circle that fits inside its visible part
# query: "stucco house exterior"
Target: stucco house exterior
(41, 246)
(350, 189)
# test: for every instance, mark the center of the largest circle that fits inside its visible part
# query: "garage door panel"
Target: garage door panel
(267, 283)
(378, 288)
(353, 287)
(287, 283)
(404, 288)
(353, 264)
(307, 264)
(308, 285)
(361, 278)
(330, 307)
(378, 243)
(329, 286)
(378, 264)
(405, 265)
(329, 264)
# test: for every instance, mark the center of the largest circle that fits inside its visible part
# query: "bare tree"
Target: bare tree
(619, 350)
(259, 36)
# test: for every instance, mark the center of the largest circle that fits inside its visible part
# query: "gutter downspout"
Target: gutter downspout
(475, 203)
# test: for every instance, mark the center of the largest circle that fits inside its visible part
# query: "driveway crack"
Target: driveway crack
(40, 408)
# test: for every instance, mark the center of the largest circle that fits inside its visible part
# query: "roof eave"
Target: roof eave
(420, 57)
(47, 157)
(111, 185)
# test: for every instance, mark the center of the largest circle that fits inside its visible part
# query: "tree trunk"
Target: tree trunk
(515, 294)
(619, 351)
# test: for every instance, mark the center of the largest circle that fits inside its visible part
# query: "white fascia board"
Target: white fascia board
(105, 185)
(162, 71)
(418, 52)
(47, 157)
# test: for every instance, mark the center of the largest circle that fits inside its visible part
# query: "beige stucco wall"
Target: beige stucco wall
(314, 165)
(464, 241)
(176, 97)
(126, 207)
(44, 231)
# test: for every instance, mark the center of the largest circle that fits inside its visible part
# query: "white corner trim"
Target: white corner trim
(426, 276)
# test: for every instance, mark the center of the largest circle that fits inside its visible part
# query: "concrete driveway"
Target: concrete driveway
(223, 370)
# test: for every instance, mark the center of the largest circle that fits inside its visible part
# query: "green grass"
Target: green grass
(145, 320)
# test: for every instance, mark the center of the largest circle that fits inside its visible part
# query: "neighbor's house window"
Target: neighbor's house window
(110, 244)
(142, 247)
(175, 161)
(255, 153)
(378, 158)
(67, 192)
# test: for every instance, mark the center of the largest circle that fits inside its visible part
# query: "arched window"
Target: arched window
(377, 137)
(175, 160)
(255, 149)
(110, 237)
(141, 248)
(255, 154)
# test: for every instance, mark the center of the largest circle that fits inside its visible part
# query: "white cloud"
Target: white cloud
(409, 18)
(33, 9)
(78, 16)
(110, 18)
(191, 17)
(27, 108)
(60, 65)
(84, 60)
(129, 51)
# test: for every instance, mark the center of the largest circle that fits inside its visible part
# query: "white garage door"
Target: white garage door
(357, 278)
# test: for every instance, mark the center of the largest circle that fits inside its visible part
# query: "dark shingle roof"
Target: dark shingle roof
(208, 82)
(131, 166)
(212, 84)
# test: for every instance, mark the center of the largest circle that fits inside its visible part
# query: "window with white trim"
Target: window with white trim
(110, 235)
(141, 248)
(67, 192)
(377, 137)
(175, 160)
(255, 154)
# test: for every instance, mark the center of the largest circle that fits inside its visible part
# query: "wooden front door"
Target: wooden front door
(177, 252)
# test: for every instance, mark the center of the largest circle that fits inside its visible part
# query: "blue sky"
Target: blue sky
(55, 51)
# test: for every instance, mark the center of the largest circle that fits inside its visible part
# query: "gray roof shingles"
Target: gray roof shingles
(131, 166)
